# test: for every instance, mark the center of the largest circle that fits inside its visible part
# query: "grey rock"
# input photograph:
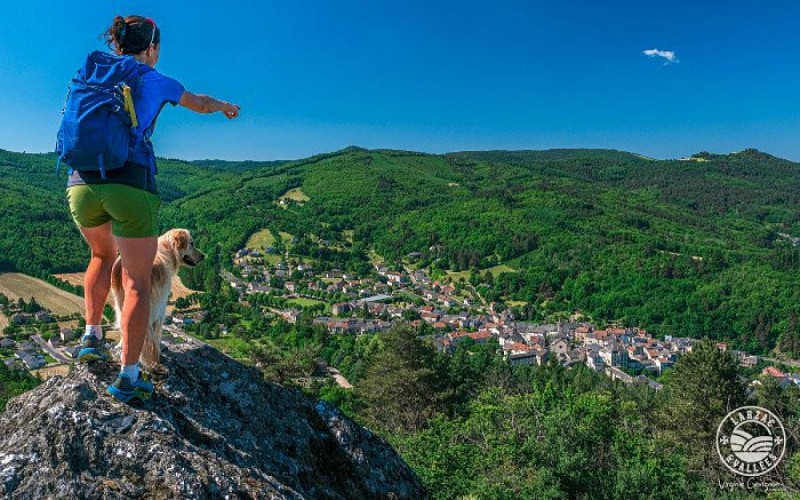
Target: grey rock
(214, 429)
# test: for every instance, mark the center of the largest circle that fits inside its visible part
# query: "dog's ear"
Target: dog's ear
(180, 239)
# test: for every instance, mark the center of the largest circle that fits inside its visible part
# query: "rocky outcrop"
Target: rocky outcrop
(214, 429)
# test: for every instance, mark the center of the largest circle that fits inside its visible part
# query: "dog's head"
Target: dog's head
(181, 243)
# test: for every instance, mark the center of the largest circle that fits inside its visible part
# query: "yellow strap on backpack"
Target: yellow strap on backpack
(126, 94)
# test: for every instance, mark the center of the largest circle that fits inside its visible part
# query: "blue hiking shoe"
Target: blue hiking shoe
(125, 391)
(92, 349)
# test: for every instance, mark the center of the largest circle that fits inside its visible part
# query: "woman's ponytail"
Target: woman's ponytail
(132, 34)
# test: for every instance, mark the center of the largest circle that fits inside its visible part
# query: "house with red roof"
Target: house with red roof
(773, 372)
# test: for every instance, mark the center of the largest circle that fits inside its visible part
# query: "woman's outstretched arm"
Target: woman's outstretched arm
(207, 104)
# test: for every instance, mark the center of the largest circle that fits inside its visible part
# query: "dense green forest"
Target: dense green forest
(473, 426)
(14, 383)
(689, 247)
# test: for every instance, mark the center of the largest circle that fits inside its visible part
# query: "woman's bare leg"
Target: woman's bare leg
(137, 267)
(97, 280)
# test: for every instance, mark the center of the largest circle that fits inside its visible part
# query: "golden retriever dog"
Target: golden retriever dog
(175, 249)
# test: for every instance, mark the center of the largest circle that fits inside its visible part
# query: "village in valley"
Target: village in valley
(448, 310)
(33, 338)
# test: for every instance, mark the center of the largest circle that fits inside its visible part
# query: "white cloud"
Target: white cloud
(668, 55)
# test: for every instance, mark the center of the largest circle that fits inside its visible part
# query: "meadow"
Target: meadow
(16, 285)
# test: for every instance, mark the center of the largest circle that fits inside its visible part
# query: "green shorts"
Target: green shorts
(133, 212)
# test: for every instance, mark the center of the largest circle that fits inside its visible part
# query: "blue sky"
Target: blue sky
(432, 76)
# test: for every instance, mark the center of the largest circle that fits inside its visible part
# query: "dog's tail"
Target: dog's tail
(151, 350)
(150, 353)
(117, 316)
(117, 292)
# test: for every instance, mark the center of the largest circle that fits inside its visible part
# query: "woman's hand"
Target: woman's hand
(230, 110)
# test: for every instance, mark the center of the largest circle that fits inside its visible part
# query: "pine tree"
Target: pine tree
(400, 389)
(700, 390)
(32, 306)
(789, 342)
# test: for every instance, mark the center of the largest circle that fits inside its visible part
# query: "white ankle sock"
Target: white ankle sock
(94, 330)
(132, 371)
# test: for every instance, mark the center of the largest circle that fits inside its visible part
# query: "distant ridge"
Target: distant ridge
(549, 155)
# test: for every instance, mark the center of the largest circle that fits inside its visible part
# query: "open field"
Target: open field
(263, 239)
(72, 324)
(375, 259)
(273, 258)
(502, 268)
(52, 371)
(113, 335)
(286, 238)
(232, 346)
(694, 257)
(295, 194)
(179, 290)
(3, 321)
(260, 240)
(16, 285)
(75, 279)
(304, 302)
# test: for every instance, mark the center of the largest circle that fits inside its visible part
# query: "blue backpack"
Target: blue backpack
(99, 125)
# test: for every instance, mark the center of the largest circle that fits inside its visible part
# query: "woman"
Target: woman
(117, 210)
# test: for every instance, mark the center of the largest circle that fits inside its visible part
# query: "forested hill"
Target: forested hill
(688, 247)
(550, 155)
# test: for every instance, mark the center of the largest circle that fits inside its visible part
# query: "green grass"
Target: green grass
(232, 346)
(296, 194)
(261, 240)
(502, 268)
(516, 303)
(375, 259)
(413, 266)
(273, 258)
(455, 276)
(304, 302)
(287, 239)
